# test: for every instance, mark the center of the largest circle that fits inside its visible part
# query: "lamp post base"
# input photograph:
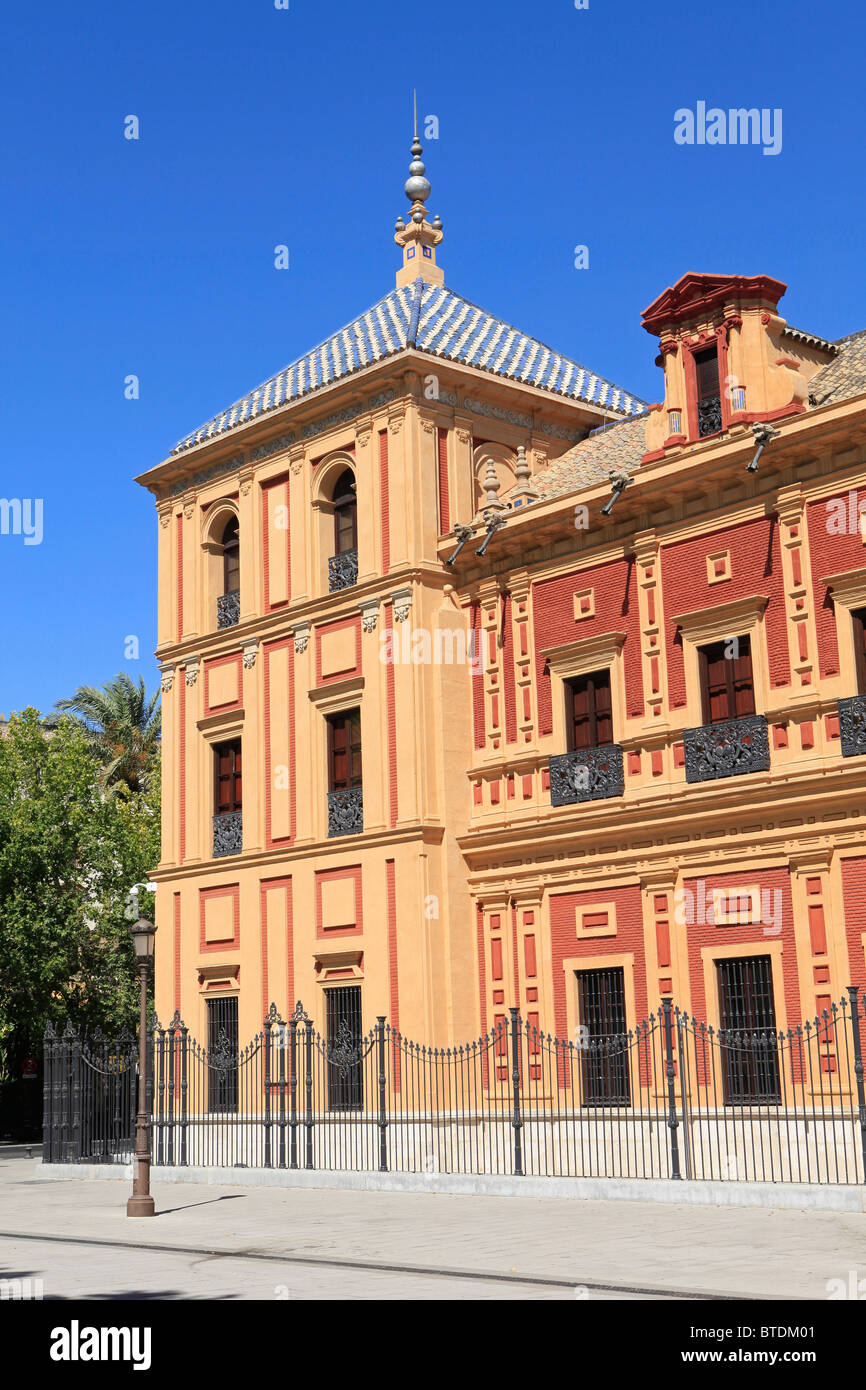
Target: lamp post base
(140, 1206)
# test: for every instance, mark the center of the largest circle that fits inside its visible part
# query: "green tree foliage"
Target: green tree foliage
(123, 723)
(69, 853)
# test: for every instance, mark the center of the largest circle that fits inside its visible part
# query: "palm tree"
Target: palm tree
(123, 723)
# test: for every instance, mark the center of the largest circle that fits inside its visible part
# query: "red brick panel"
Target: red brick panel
(616, 610)
(854, 898)
(832, 553)
(756, 568)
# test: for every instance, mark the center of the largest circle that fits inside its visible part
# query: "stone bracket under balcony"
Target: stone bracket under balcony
(346, 811)
(728, 748)
(342, 571)
(587, 774)
(229, 609)
(852, 725)
(228, 834)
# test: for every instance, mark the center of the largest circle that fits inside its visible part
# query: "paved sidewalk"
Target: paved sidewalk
(235, 1242)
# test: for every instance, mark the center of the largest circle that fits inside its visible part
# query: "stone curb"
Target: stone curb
(782, 1196)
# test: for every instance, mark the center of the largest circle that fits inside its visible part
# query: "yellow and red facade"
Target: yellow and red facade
(467, 892)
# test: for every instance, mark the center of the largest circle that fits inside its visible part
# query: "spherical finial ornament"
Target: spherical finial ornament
(418, 217)
(399, 225)
(417, 188)
(437, 223)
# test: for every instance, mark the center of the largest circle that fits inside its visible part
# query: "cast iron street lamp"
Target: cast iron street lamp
(141, 1202)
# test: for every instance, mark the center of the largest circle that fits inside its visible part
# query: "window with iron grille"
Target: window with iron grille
(747, 1019)
(222, 1042)
(588, 711)
(228, 791)
(727, 685)
(604, 1036)
(344, 750)
(343, 1034)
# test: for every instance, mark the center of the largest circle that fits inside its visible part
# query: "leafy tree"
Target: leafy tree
(69, 854)
(123, 723)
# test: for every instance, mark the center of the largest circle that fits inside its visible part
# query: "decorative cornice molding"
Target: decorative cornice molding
(722, 617)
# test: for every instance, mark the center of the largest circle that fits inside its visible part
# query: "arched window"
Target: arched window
(229, 600)
(231, 544)
(345, 514)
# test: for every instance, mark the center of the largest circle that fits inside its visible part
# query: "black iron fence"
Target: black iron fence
(671, 1098)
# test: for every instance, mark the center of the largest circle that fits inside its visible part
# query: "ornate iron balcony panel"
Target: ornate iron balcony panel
(709, 415)
(229, 609)
(342, 571)
(727, 749)
(852, 725)
(588, 774)
(228, 834)
(346, 811)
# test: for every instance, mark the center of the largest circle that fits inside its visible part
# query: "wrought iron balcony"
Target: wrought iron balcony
(228, 835)
(587, 774)
(342, 571)
(727, 749)
(709, 415)
(852, 725)
(229, 609)
(346, 811)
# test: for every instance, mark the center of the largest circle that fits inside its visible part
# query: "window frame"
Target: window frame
(235, 746)
(345, 504)
(594, 717)
(231, 556)
(731, 680)
(352, 718)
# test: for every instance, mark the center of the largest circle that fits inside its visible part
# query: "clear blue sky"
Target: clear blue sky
(262, 126)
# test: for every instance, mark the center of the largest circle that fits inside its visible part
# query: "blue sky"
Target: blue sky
(260, 127)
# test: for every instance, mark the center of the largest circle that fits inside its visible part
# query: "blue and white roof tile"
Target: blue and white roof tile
(434, 320)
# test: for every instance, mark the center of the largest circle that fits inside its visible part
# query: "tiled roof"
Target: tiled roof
(843, 377)
(619, 448)
(437, 321)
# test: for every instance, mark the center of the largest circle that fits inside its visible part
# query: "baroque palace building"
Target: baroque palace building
(486, 685)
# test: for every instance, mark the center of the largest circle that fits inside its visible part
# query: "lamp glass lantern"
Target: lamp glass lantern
(143, 935)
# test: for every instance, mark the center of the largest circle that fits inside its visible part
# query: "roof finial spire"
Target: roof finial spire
(419, 239)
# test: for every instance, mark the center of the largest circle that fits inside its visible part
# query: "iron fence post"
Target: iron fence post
(47, 1080)
(308, 1088)
(516, 1121)
(673, 1122)
(266, 1037)
(184, 1089)
(293, 1091)
(75, 1050)
(383, 1115)
(858, 1068)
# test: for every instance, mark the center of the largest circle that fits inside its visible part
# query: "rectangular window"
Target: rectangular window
(228, 791)
(727, 688)
(344, 750)
(747, 1033)
(343, 1034)
(858, 618)
(589, 718)
(603, 1037)
(222, 1055)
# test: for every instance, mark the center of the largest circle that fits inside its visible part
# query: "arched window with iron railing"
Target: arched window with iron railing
(343, 564)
